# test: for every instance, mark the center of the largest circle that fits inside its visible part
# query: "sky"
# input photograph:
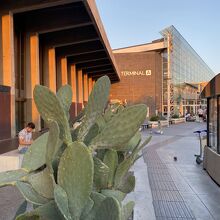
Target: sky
(133, 22)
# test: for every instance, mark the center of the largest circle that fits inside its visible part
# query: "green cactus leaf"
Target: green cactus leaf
(93, 132)
(114, 193)
(61, 200)
(75, 176)
(95, 106)
(121, 128)
(54, 143)
(29, 194)
(124, 166)
(35, 157)
(97, 198)
(133, 142)
(138, 148)
(127, 210)
(47, 211)
(122, 171)
(64, 94)
(28, 216)
(127, 184)
(22, 209)
(86, 210)
(100, 121)
(108, 114)
(101, 172)
(51, 109)
(56, 160)
(100, 154)
(10, 177)
(42, 183)
(111, 160)
(109, 210)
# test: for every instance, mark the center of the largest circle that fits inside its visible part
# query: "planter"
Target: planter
(177, 120)
(164, 123)
(154, 124)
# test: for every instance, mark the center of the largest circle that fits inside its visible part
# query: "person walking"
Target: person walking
(200, 113)
(25, 137)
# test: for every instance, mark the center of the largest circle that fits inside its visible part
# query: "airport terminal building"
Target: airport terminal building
(52, 43)
(166, 74)
(55, 42)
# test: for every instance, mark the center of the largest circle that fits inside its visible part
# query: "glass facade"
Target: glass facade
(183, 72)
(212, 123)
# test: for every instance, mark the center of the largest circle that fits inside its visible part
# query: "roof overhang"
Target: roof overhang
(212, 88)
(74, 28)
(155, 46)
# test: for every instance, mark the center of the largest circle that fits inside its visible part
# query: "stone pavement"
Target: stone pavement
(179, 189)
(165, 189)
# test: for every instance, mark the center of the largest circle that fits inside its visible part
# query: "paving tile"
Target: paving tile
(172, 209)
(162, 195)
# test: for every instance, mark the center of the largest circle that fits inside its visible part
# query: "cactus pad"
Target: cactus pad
(64, 94)
(111, 160)
(101, 172)
(75, 176)
(10, 177)
(51, 109)
(127, 210)
(61, 200)
(120, 129)
(95, 106)
(29, 194)
(42, 183)
(109, 210)
(114, 193)
(47, 211)
(35, 157)
(54, 143)
(127, 184)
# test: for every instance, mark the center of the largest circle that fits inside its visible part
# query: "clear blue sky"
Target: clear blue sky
(131, 22)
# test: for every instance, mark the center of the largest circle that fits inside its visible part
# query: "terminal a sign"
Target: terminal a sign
(136, 73)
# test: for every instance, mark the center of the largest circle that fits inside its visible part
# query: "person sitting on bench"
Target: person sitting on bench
(25, 137)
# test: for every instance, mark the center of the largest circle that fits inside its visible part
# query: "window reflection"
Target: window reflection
(213, 123)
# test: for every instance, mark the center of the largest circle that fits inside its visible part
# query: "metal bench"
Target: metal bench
(146, 125)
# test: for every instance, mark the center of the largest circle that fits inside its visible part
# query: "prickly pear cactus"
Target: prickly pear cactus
(80, 172)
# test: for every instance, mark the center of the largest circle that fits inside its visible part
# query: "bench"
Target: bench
(10, 161)
(146, 125)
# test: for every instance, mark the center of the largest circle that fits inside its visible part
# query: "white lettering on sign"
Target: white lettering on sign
(136, 73)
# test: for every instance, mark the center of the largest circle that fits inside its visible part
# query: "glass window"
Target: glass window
(213, 123)
(219, 124)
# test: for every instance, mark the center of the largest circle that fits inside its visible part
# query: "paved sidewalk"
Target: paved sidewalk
(180, 189)
(165, 189)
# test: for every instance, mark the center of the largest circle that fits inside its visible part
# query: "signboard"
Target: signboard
(136, 73)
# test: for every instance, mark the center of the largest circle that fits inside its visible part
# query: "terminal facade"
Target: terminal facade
(55, 42)
(167, 74)
(51, 43)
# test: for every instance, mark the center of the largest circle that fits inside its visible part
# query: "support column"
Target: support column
(85, 88)
(90, 85)
(32, 78)
(62, 72)
(80, 90)
(49, 69)
(8, 63)
(73, 83)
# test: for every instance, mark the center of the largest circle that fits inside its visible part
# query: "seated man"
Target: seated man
(25, 137)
